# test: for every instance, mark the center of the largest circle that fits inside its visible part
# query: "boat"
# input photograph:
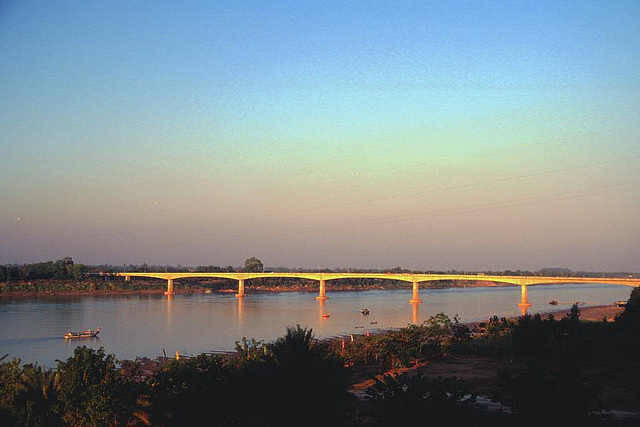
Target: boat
(374, 323)
(324, 316)
(364, 310)
(553, 302)
(85, 334)
(621, 304)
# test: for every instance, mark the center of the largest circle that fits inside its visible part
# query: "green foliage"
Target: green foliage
(10, 373)
(436, 337)
(410, 397)
(61, 269)
(253, 265)
(62, 286)
(252, 349)
(37, 402)
(93, 391)
(574, 313)
(28, 395)
(187, 391)
(86, 390)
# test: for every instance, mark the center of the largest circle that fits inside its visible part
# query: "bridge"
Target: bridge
(415, 279)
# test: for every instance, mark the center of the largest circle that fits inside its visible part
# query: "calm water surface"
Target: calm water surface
(143, 325)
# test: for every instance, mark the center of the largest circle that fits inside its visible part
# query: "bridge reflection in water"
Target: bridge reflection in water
(415, 312)
(415, 279)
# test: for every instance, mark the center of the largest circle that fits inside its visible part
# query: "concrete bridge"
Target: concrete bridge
(415, 279)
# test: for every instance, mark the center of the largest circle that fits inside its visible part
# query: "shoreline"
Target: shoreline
(258, 288)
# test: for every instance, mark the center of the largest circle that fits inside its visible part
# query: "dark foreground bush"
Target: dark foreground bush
(411, 397)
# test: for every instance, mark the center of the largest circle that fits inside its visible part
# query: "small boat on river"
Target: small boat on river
(364, 310)
(84, 334)
(553, 302)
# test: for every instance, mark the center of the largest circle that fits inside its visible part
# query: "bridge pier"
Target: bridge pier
(323, 291)
(524, 303)
(416, 296)
(240, 293)
(169, 287)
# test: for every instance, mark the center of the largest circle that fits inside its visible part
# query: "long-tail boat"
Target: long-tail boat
(85, 334)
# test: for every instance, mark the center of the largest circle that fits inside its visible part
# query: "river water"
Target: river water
(31, 328)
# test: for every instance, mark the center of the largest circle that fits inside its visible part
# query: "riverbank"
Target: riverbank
(150, 286)
(617, 380)
(593, 314)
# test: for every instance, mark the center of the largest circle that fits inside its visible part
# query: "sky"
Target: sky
(426, 135)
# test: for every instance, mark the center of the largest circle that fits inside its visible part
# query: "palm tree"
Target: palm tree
(307, 384)
(37, 396)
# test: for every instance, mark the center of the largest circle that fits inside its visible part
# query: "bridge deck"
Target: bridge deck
(411, 278)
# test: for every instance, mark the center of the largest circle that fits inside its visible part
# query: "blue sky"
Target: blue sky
(321, 134)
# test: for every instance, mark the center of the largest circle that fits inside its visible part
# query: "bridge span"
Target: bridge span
(415, 279)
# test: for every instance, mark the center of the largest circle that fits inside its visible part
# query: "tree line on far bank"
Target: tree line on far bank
(65, 268)
(61, 269)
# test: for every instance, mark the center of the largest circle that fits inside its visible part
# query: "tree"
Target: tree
(299, 383)
(407, 398)
(544, 394)
(92, 390)
(36, 401)
(186, 392)
(630, 317)
(253, 265)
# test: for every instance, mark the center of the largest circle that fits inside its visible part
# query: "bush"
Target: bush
(409, 398)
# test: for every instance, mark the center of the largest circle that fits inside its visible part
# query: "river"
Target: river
(31, 328)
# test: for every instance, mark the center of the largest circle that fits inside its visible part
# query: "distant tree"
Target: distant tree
(574, 313)
(208, 269)
(13, 272)
(253, 265)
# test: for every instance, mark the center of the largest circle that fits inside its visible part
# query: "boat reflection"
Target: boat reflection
(321, 308)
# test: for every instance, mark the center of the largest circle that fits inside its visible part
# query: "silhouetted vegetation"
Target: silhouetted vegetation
(404, 399)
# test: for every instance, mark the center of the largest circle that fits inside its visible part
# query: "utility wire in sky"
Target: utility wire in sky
(323, 207)
(607, 189)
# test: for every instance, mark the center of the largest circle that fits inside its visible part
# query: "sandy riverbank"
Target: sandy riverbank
(618, 381)
(595, 314)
